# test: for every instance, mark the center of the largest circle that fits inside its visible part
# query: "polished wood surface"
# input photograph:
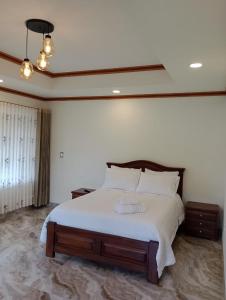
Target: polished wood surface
(81, 192)
(145, 164)
(207, 207)
(139, 96)
(50, 252)
(107, 71)
(105, 248)
(202, 220)
(20, 93)
(10, 58)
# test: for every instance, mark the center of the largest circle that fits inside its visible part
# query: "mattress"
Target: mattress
(95, 212)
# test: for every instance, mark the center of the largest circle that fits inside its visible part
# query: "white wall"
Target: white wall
(186, 132)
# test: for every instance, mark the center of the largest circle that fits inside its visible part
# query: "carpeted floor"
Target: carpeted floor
(25, 272)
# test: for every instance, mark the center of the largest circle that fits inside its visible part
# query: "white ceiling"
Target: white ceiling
(92, 34)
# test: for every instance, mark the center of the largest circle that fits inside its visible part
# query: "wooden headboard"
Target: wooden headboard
(145, 164)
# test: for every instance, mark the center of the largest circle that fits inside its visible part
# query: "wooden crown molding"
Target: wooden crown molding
(144, 68)
(139, 96)
(20, 93)
(107, 71)
(110, 71)
(115, 97)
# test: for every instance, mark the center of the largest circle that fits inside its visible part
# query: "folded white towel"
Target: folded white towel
(129, 208)
(125, 200)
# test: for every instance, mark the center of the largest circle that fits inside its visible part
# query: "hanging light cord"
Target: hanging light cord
(26, 42)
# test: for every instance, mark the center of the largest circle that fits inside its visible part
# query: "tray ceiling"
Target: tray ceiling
(108, 34)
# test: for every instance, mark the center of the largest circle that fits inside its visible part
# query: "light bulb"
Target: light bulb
(42, 61)
(196, 65)
(26, 69)
(48, 45)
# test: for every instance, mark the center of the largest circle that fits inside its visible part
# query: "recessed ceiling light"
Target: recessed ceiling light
(116, 92)
(196, 65)
(1, 80)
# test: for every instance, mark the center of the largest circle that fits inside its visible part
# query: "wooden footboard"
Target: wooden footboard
(115, 250)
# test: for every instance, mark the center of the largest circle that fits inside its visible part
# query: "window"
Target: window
(17, 155)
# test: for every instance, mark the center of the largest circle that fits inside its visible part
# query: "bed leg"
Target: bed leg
(152, 272)
(50, 242)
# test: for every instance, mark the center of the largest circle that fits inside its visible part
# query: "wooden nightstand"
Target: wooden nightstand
(202, 220)
(81, 192)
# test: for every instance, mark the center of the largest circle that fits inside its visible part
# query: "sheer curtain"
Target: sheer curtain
(17, 156)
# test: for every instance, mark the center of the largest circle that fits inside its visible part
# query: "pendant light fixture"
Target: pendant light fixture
(48, 45)
(26, 68)
(42, 61)
(45, 28)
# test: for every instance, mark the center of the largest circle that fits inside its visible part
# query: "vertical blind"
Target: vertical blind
(17, 156)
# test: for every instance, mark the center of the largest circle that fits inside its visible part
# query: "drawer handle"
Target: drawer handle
(200, 215)
(200, 231)
(200, 223)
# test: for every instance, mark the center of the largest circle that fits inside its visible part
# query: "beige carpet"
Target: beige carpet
(25, 272)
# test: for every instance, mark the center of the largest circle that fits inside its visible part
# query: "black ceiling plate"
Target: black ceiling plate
(40, 26)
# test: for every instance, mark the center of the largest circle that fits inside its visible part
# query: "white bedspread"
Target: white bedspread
(95, 211)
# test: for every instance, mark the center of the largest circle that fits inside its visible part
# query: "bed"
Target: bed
(89, 228)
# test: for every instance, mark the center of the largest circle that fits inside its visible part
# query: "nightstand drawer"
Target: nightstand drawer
(199, 215)
(202, 220)
(205, 233)
(200, 224)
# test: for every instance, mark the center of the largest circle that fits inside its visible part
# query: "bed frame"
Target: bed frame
(131, 254)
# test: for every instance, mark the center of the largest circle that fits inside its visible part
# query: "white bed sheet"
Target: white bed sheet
(95, 212)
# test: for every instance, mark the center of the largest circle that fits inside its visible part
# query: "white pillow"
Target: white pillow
(122, 178)
(158, 184)
(116, 167)
(173, 173)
